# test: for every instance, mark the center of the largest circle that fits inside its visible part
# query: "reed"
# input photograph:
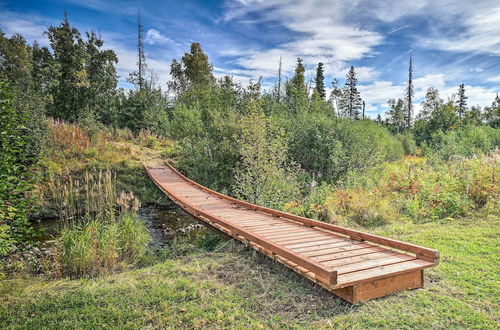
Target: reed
(101, 230)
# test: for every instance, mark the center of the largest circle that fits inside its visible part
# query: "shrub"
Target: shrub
(263, 176)
(408, 143)
(467, 141)
(331, 148)
(14, 174)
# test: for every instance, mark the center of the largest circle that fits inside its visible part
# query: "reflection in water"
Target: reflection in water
(164, 222)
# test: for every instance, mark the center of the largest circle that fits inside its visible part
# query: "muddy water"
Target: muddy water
(167, 222)
(164, 222)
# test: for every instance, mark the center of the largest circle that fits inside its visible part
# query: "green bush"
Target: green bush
(331, 148)
(14, 173)
(467, 141)
(408, 143)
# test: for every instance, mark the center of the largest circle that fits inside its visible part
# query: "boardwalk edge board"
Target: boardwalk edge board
(361, 276)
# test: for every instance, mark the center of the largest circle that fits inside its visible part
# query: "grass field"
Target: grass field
(234, 286)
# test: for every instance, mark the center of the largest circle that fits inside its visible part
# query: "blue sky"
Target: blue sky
(452, 42)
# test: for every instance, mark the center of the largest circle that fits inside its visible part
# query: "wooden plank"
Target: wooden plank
(339, 248)
(382, 287)
(319, 242)
(312, 237)
(327, 259)
(338, 242)
(274, 228)
(297, 231)
(376, 262)
(383, 271)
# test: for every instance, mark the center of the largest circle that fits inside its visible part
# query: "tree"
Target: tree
(278, 83)
(435, 116)
(296, 90)
(492, 113)
(320, 82)
(351, 100)
(102, 79)
(298, 82)
(43, 70)
(409, 95)
(396, 114)
(138, 77)
(69, 54)
(431, 103)
(15, 60)
(263, 176)
(335, 96)
(461, 102)
(178, 82)
(197, 69)
(473, 116)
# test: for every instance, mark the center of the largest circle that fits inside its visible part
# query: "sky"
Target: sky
(451, 42)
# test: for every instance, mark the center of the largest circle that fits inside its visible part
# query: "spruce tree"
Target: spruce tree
(296, 90)
(278, 92)
(320, 82)
(461, 102)
(298, 81)
(351, 104)
(409, 95)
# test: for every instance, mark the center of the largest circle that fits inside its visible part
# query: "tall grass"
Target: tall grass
(75, 198)
(102, 232)
(98, 246)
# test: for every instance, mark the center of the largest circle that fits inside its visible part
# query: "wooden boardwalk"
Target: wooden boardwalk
(353, 265)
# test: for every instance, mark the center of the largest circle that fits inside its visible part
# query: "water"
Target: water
(164, 222)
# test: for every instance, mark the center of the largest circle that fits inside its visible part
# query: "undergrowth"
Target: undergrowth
(409, 190)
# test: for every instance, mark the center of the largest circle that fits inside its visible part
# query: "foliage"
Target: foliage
(197, 69)
(336, 147)
(466, 141)
(263, 175)
(408, 143)
(85, 74)
(15, 179)
(412, 189)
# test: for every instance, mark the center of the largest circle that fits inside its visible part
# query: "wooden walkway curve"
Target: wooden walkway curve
(353, 265)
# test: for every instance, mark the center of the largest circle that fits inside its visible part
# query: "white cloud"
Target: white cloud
(321, 35)
(494, 79)
(154, 37)
(30, 26)
(477, 23)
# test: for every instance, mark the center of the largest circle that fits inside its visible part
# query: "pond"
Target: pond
(165, 222)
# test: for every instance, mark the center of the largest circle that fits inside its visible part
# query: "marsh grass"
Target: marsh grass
(101, 230)
(100, 246)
